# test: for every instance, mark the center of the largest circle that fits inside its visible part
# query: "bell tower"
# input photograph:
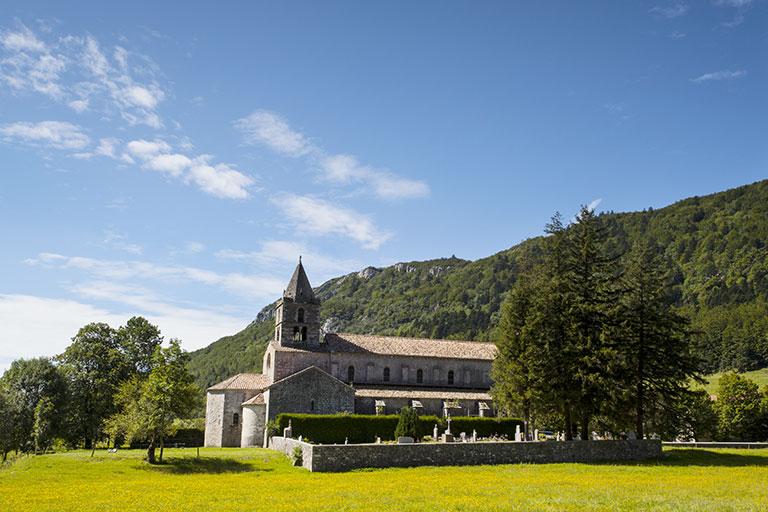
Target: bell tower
(297, 314)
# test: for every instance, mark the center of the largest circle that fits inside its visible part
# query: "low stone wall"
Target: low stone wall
(348, 457)
(716, 444)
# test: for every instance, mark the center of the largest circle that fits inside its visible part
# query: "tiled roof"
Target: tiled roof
(418, 347)
(256, 400)
(243, 381)
(418, 394)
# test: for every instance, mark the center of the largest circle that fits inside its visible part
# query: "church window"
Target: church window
(419, 376)
(269, 361)
(235, 419)
(300, 316)
(386, 374)
(350, 373)
(450, 376)
(303, 334)
(296, 333)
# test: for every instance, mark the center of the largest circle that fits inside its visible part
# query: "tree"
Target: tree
(42, 430)
(590, 274)
(654, 339)
(690, 416)
(407, 424)
(32, 381)
(516, 370)
(138, 339)
(9, 420)
(738, 408)
(94, 368)
(149, 405)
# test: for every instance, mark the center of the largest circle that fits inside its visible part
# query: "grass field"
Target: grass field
(760, 377)
(255, 479)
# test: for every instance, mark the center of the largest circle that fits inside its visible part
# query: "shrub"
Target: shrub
(407, 423)
(364, 428)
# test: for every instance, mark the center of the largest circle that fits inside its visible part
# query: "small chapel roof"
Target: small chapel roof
(416, 347)
(256, 400)
(242, 381)
(299, 288)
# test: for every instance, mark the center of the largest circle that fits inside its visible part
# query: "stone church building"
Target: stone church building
(307, 371)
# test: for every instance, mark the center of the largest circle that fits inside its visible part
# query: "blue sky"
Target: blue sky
(173, 160)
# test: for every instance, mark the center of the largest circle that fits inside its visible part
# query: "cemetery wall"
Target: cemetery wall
(333, 458)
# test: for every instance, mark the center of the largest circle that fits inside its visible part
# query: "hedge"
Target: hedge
(364, 428)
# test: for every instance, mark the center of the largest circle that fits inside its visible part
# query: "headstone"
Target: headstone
(448, 430)
(463, 437)
(474, 435)
(434, 433)
(404, 440)
(535, 434)
(346, 440)
(378, 440)
(447, 437)
(518, 434)
(301, 438)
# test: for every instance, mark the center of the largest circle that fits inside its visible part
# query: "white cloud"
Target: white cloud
(54, 134)
(671, 11)
(733, 3)
(120, 242)
(592, 206)
(272, 130)
(725, 74)
(279, 255)
(146, 149)
(22, 40)
(174, 163)
(41, 326)
(251, 286)
(219, 180)
(94, 81)
(315, 216)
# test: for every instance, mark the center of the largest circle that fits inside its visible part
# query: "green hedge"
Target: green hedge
(364, 428)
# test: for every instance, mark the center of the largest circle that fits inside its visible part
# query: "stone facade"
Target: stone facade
(306, 371)
(334, 458)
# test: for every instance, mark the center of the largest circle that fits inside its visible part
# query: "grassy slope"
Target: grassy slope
(255, 479)
(760, 377)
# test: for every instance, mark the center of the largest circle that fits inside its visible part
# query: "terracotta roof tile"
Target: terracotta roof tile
(256, 400)
(243, 381)
(401, 346)
(418, 394)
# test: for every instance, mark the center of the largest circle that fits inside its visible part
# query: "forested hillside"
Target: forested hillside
(716, 246)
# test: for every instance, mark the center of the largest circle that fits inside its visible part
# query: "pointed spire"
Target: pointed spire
(299, 288)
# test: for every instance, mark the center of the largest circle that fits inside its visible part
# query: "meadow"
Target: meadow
(759, 377)
(256, 479)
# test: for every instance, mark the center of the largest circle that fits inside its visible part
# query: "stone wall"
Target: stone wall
(223, 417)
(310, 391)
(347, 457)
(253, 425)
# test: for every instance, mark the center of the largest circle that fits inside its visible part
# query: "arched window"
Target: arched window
(419, 376)
(296, 333)
(351, 374)
(269, 361)
(300, 315)
(386, 374)
(304, 333)
(235, 419)
(450, 376)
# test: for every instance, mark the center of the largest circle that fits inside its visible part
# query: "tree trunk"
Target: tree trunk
(585, 427)
(151, 452)
(5, 455)
(93, 447)
(162, 446)
(568, 422)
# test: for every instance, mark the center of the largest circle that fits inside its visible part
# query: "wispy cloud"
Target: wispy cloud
(52, 134)
(119, 241)
(670, 11)
(251, 286)
(95, 79)
(274, 132)
(592, 206)
(725, 74)
(740, 8)
(313, 216)
(282, 254)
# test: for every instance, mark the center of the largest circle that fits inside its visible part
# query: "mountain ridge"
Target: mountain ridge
(717, 243)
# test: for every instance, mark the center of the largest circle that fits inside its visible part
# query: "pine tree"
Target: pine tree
(654, 338)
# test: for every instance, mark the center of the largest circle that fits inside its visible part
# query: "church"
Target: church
(305, 370)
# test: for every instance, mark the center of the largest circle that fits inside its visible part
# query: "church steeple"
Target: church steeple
(297, 314)
(299, 289)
